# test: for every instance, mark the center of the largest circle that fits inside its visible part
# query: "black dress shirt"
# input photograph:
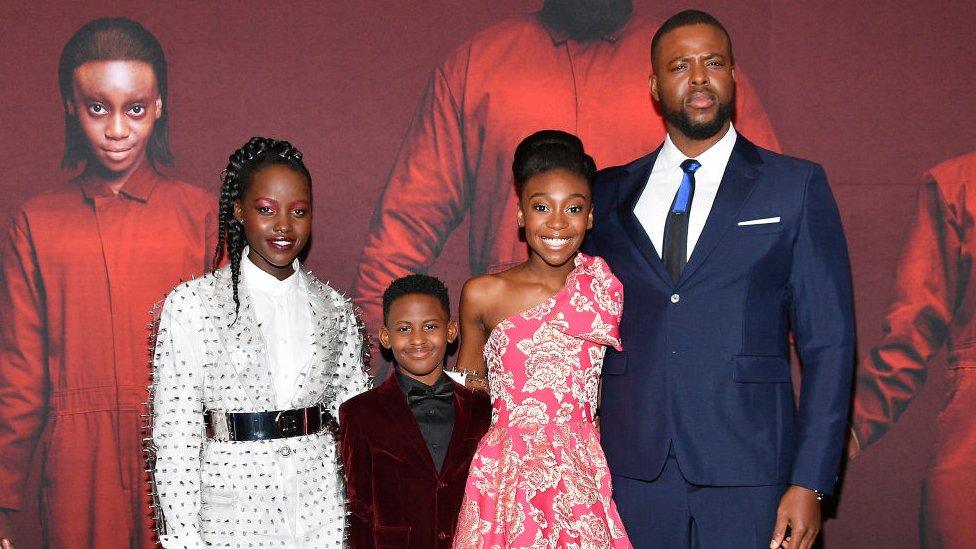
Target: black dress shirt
(433, 407)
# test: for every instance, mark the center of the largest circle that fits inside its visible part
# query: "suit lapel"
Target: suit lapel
(242, 341)
(327, 330)
(402, 421)
(738, 182)
(629, 193)
(462, 419)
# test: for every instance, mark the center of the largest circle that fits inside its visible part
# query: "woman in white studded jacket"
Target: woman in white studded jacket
(251, 363)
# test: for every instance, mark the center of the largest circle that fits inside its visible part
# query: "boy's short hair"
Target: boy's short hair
(415, 284)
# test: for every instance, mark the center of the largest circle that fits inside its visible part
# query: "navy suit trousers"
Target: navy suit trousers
(671, 513)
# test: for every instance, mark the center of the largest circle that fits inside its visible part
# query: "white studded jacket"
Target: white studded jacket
(231, 494)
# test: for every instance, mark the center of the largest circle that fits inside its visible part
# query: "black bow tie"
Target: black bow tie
(443, 391)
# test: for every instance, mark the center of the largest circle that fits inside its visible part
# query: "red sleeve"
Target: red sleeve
(750, 117)
(424, 199)
(357, 464)
(917, 321)
(23, 362)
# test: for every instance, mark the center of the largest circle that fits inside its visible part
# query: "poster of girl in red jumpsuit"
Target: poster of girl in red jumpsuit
(81, 267)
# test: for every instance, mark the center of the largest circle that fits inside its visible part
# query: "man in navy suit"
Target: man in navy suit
(725, 250)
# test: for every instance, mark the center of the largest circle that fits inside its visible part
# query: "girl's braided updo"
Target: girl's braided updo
(257, 153)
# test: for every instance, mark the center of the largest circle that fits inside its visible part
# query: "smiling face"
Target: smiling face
(694, 81)
(117, 104)
(556, 210)
(276, 211)
(418, 329)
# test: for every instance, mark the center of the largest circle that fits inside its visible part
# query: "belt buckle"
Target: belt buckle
(219, 426)
(287, 423)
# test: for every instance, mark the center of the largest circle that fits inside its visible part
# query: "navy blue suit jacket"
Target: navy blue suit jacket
(706, 361)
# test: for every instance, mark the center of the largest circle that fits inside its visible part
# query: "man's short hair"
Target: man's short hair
(687, 18)
(415, 284)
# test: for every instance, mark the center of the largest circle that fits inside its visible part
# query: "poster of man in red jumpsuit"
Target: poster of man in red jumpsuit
(81, 268)
(931, 308)
(578, 66)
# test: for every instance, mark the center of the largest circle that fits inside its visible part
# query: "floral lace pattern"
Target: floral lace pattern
(539, 478)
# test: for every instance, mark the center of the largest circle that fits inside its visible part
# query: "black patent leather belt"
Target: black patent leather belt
(247, 426)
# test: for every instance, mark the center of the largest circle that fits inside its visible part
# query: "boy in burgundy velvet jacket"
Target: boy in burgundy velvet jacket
(407, 444)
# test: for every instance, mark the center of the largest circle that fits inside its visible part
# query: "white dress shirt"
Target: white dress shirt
(282, 311)
(658, 195)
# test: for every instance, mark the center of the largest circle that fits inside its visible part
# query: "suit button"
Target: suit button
(284, 451)
(675, 298)
(441, 485)
(442, 535)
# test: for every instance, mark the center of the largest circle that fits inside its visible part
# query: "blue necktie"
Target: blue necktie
(676, 228)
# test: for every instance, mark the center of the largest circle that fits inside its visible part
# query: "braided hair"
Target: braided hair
(256, 154)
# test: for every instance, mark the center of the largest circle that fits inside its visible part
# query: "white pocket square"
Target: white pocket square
(763, 221)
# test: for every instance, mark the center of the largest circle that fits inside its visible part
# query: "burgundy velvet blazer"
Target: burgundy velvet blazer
(396, 497)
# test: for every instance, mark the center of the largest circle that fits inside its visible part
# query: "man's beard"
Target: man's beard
(698, 131)
(586, 19)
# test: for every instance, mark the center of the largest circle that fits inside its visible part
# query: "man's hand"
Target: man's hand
(853, 444)
(6, 530)
(800, 510)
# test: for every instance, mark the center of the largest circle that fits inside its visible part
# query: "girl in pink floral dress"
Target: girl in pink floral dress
(539, 330)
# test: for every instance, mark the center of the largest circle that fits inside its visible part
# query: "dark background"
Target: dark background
(878, 92)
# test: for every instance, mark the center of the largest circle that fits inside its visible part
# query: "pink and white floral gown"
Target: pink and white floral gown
(539, 478)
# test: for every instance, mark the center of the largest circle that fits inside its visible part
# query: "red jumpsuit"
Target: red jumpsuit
(931, 307)
(510, 80)
(81, 270)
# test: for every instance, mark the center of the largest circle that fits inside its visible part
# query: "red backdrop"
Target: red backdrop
(877, 92)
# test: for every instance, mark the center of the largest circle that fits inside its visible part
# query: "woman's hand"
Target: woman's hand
(476, 382)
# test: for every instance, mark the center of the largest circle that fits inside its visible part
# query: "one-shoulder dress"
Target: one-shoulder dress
(539, 477)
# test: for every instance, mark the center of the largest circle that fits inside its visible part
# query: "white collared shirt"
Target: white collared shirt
(655, 201)
(282, 311)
